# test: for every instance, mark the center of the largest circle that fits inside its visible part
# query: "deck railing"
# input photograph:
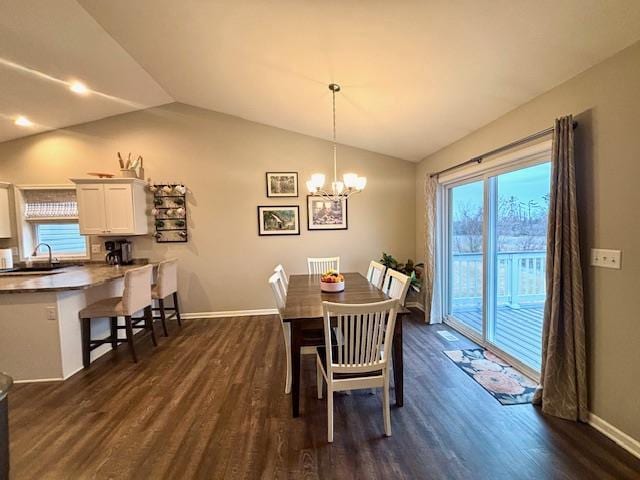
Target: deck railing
(520, 279)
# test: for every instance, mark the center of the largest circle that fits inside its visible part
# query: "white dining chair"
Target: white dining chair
(323, 265)
(396, 285)
(375, 274)
(280, 295)
(283, 275)
(360, 360)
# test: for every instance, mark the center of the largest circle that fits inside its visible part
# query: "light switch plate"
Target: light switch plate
(95, 248)
(606, 258)
(51, 313)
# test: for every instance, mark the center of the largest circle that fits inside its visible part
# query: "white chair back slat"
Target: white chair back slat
(137, 289)
(283, 276)
(365, 329)
(167, 280)
(375, 274)
(279, 292)
(396, 285)
(322, 265)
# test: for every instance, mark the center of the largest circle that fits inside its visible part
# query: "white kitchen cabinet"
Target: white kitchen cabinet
(5, 217)
(112, 206)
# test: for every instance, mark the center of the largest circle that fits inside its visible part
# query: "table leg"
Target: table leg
(296, 346)
(398, 369)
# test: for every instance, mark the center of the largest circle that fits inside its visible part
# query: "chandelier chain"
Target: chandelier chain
(335, 160)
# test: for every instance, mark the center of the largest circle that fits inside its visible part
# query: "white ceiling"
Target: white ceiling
(45, 43)
(416, 75)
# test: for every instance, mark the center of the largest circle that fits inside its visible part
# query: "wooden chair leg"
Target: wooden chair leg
(319, 378)
(114, 332)
(148, 321)
(85, 333)
(129, 330)
(177, 307)
(163, 317)
(329, 413)
(385, 405)
(286, 330)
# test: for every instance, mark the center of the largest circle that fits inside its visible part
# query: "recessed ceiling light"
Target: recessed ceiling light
(23, 121)
(79, 88)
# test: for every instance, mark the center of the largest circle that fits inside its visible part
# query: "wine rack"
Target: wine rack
(170, 212)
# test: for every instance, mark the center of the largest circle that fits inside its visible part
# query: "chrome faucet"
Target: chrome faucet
(35, 252)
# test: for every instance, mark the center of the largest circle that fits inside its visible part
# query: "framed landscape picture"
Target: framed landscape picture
(323, 214)
(279, 220)
(282, 184)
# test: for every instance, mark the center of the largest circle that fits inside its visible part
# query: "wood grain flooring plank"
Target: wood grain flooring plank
(209, 403)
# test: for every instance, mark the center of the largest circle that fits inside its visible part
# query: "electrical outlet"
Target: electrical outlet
(51, 313)
(606, 258)
(95, 247)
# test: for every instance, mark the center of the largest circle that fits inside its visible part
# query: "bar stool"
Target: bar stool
(167, 284)
(136, 296)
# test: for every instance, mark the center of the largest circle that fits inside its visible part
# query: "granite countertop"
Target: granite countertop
(67, 278)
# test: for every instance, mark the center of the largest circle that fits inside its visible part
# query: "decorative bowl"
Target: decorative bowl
(332, 287)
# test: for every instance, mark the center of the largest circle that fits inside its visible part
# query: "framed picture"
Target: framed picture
(323, 214)
(279, 220)
(282, 184)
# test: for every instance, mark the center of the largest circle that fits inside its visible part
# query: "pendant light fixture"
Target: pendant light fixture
(351, 183)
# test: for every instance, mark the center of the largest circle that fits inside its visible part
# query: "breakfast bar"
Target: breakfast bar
(40, 337)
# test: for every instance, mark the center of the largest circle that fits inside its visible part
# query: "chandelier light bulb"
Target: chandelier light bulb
(350, 180)
(317, 179)
(361, 183)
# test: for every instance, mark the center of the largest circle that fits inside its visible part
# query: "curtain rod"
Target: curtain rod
(480, 158)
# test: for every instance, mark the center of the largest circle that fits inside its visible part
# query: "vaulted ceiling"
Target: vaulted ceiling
(416, 75)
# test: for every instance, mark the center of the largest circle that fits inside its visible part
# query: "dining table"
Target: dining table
(303, 311)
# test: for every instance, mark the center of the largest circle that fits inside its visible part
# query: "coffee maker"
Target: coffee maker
(118, 252)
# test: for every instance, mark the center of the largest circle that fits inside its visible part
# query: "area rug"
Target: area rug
(505, 383)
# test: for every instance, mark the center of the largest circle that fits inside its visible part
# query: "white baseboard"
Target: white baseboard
(231, 313)
(39, 380)
(630, 444)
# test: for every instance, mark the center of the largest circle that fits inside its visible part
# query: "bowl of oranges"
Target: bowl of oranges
(332, 282)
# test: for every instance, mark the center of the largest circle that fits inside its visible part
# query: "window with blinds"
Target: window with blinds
(52, 216)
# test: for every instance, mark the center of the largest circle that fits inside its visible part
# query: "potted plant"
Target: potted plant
(413, 270)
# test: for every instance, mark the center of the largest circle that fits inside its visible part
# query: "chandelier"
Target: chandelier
(351, 183)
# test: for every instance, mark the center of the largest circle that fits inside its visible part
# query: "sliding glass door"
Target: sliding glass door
(466, 213)
(496, 251)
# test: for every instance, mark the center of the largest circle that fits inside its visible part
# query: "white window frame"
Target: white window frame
(513, 160)
(26, 228)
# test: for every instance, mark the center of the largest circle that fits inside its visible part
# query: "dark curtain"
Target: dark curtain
(563, 380)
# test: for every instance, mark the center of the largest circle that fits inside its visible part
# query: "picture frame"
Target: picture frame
(323, 214)
(278, 220)
(282, 184)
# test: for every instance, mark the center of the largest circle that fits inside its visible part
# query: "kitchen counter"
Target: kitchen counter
(40, 334)
(63, 279)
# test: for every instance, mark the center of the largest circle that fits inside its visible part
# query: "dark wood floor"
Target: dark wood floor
(209, 403)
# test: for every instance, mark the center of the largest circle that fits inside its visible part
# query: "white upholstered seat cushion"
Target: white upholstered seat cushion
(107, 307)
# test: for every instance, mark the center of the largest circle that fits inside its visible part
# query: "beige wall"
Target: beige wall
(606, 102)
(223, 160)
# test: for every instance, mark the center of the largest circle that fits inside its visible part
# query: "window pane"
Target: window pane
(521, 243)
(64, 238)
(465, 257)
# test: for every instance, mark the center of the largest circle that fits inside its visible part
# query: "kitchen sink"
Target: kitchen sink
(33, 270)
